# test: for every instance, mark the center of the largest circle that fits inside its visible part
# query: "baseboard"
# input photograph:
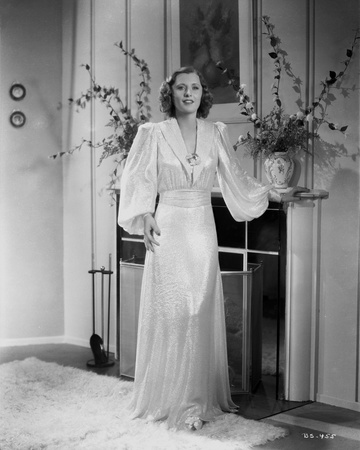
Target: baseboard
(32, 341)
(85, 343)
(354, 406)
(49, 340)
(76, 341)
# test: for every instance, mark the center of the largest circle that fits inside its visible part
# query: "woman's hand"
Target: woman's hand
(292, 196)
(150, 226)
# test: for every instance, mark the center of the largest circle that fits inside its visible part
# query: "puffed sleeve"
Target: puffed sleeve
(138, 187)
(245, 197)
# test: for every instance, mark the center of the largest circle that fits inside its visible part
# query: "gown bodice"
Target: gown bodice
(157, 163)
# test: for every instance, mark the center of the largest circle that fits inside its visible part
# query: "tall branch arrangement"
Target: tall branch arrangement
(277, 131)
(123, 123)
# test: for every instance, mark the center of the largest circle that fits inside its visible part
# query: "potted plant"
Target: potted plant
(124, 125)
(279, 136)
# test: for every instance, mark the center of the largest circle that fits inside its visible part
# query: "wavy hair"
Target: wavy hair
(166, 100)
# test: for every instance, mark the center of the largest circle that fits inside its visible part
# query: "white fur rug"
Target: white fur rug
(48, 406)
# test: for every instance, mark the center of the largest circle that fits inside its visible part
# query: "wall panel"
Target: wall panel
(337, 170)
(30, 184)
(90, 32)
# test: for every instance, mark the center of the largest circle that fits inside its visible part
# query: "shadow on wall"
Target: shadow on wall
(341, 227)
(344, 192)
(328, 174)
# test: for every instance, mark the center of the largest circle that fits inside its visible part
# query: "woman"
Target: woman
(181, 372)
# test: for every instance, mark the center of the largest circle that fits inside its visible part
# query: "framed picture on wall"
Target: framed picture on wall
(200, 33)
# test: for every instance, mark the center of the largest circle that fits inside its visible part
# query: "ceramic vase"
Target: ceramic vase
(279, 168)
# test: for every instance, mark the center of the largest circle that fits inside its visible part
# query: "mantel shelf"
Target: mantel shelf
(313, 194)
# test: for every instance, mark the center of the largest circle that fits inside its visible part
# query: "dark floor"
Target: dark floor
(310, 425)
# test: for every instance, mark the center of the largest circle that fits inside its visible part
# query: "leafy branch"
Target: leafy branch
(278, 131)
(325, 97)
(124, 124)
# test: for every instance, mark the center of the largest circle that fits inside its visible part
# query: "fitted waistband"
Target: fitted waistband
(186, 198)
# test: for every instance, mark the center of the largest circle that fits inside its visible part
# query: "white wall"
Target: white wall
(339, 314)
(56, 218)
(31, 210)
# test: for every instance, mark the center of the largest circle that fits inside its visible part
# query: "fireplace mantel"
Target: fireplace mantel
(302, 272)
(302, 287)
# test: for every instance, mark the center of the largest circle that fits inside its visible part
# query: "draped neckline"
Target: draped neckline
(204, 140)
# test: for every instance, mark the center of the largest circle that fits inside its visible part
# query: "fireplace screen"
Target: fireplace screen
(243, 315)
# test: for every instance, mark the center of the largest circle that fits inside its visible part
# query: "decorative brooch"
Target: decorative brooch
(193, 159)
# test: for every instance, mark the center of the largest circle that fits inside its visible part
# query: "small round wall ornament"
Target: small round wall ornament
(17, 91)
(17, 119)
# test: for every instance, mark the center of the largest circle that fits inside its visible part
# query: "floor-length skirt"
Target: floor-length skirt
(181, 361)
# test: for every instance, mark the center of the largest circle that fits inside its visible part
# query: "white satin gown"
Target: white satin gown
(181, 361)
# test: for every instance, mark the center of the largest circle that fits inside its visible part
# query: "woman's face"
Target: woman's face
(187, 93)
